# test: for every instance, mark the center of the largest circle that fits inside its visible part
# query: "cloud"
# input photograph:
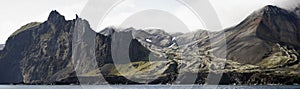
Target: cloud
(190, 19)
(118, 14)
(232, 12)
(16, 13)
(288, 4)
(129, 7)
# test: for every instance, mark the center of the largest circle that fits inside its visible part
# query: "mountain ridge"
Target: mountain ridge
(253, 28)
(46, 53)
(57, 51)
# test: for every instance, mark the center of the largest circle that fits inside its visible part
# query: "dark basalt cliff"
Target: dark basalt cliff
(49, 52)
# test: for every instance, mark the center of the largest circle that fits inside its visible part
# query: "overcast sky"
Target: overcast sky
(16, 13)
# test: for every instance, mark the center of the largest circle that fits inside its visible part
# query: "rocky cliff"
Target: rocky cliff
(58, 50)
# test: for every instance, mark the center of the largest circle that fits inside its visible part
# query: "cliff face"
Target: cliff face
(38, 50)
(57, 50)
(12, 54)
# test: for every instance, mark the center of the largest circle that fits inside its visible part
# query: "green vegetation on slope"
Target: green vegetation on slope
(25, 27)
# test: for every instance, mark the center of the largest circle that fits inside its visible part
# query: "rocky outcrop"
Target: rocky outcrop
(38, 52)
(11, 55)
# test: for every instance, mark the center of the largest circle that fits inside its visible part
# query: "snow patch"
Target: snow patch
(148, 40)
(173, 38)
(172, 45)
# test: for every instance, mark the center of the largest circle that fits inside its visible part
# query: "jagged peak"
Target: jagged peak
(76, 16)
(55, 16)
(273, 10)
(265, 13)
(108, 31)
(271, 7)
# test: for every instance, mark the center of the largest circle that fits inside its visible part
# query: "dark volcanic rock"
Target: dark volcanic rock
(11, 55)
(262, 30)
(49, 47)
(279, 25)
(125, 46)
(50, 52)
(38, 52)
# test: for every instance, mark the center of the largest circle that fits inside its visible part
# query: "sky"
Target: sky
(16, 13)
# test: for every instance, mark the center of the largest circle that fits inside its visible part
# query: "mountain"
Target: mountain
(151, 38)
(64, 51)
(262, 49)
(268, 39)
(262, 30)
(33, 52)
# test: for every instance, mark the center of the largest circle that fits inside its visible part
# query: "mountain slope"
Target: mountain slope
(251, 40)
(11, 56)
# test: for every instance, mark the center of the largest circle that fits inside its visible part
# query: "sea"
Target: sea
(147, 87)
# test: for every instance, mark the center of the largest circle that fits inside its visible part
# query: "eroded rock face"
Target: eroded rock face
(281, 26)
(50, 46)
(59, 51)
(11, 55)
(40, 51)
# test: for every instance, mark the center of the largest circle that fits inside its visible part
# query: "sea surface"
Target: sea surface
(145, 87)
